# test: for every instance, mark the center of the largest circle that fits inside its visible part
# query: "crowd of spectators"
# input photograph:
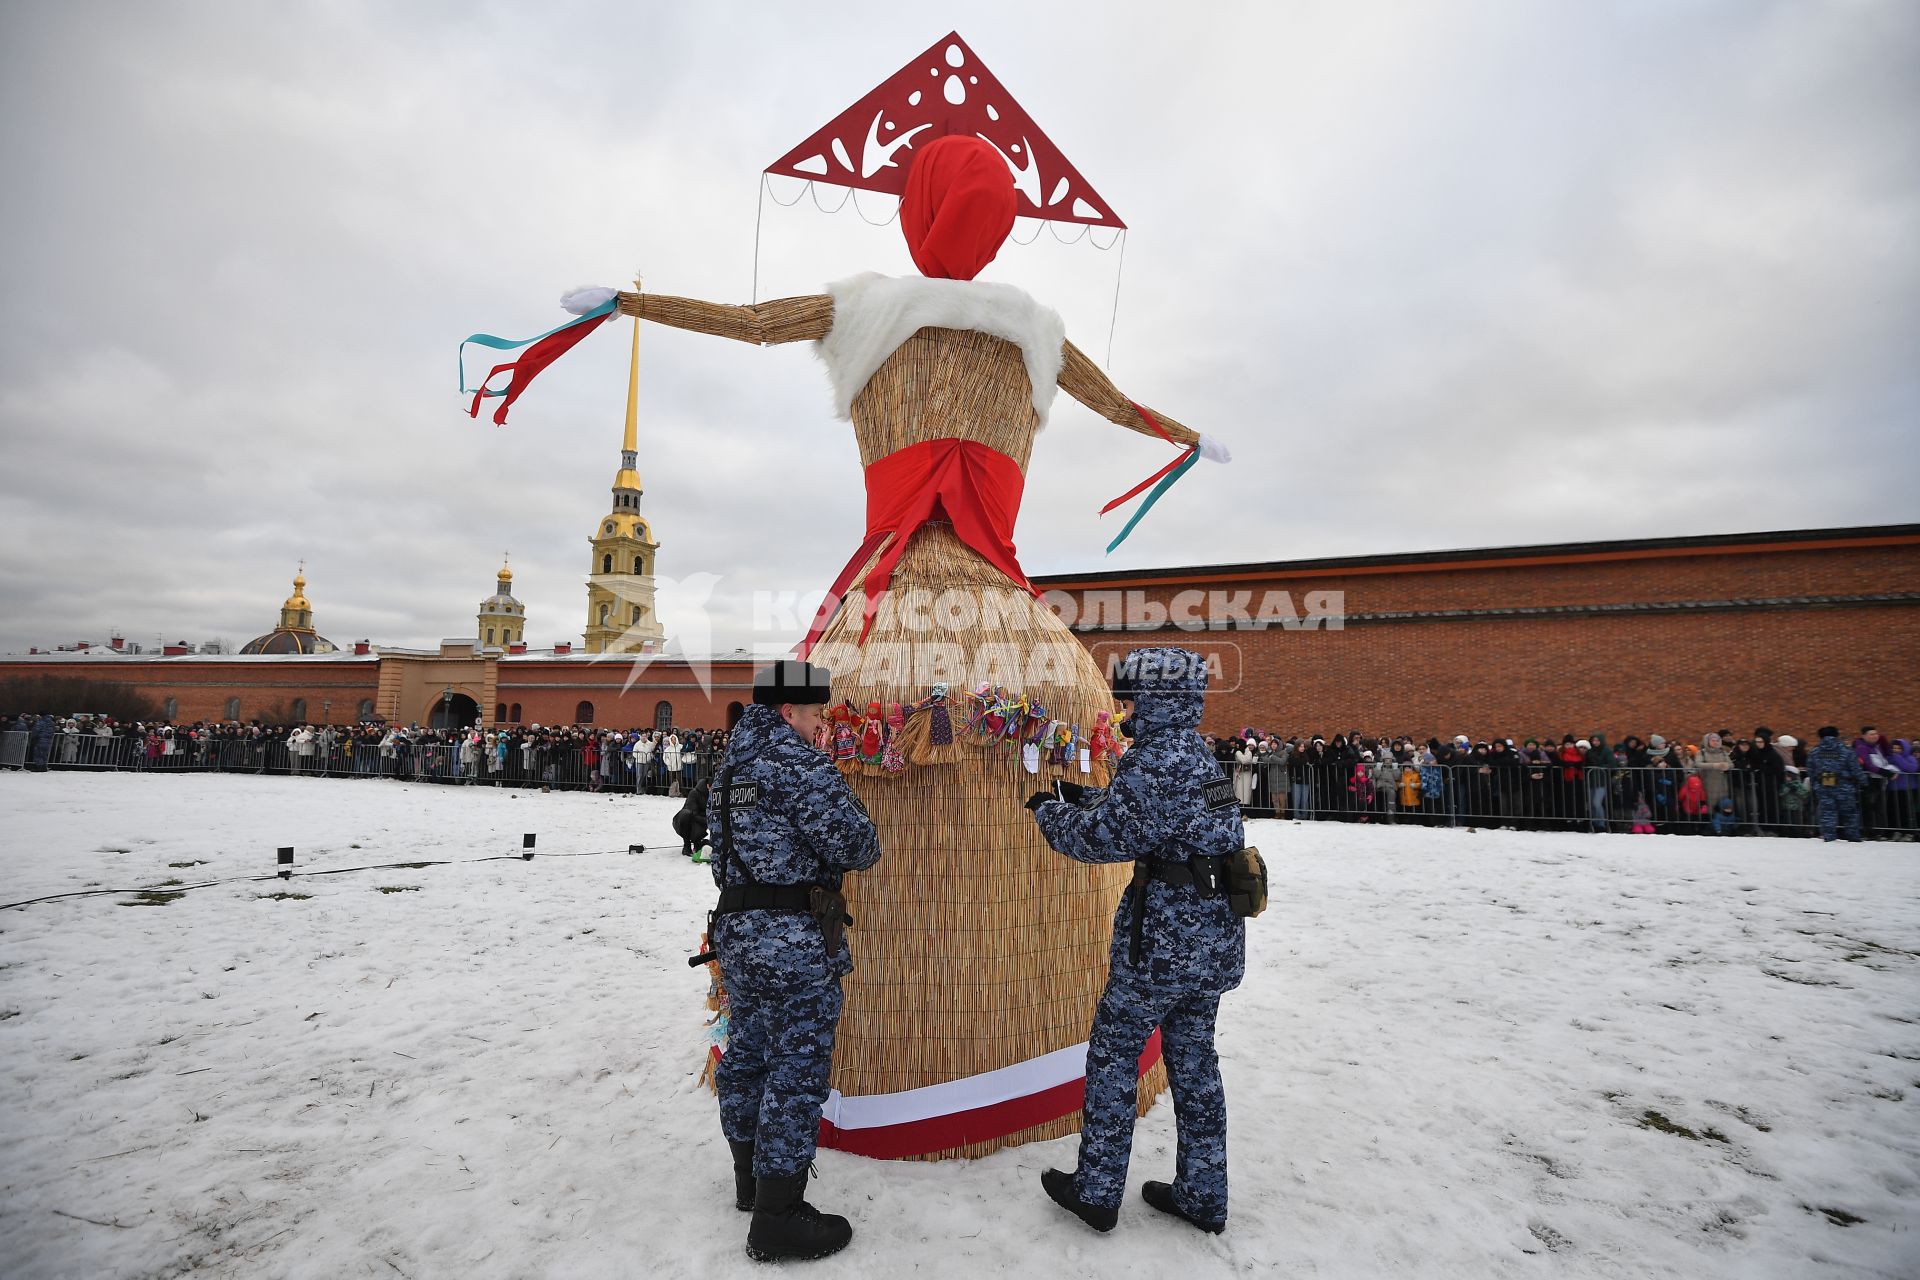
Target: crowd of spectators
(657, 761)
(1721, 785)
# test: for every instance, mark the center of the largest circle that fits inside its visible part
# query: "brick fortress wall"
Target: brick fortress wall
(1676, 637)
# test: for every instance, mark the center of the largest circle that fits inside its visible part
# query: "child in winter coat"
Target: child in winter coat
(1642, 818)
(1693, 804)
(1725, 821)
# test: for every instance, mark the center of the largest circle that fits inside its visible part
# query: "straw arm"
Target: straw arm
(1084, 380)
(780, 320)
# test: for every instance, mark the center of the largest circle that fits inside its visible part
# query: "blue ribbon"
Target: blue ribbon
(510, 344)
(1146, 504)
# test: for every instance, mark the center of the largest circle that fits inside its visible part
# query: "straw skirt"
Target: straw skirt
(975, 945)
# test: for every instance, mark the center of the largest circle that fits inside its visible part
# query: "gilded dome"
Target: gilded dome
(295, 634)
(286, 641)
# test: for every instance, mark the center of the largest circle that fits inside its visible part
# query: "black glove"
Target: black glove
(1072, 792)
(1039, 798)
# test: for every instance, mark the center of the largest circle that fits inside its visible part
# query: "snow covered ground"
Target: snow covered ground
(1486, 1054)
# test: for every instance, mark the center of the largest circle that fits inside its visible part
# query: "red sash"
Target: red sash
(975, 488)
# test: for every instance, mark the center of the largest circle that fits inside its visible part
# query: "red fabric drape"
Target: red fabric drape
(958, 208)
(975, 488)
(532, 362)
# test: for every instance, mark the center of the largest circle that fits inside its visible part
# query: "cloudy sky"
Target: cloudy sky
(1442, 275)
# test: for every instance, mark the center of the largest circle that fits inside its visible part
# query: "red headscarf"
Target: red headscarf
(958, 207)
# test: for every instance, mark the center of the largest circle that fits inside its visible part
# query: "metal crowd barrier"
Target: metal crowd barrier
(527, 764)
(1558, 797)
(1552, 797)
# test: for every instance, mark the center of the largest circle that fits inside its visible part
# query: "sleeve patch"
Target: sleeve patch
(1217, 793)
(743, 795)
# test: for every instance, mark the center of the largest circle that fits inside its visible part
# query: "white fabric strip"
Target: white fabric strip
(1020, 1080)
(873, 314)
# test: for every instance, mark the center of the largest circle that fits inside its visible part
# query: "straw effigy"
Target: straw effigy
(976, 947)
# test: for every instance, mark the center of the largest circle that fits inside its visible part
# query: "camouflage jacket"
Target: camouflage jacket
(1836, 758)
(804, 825)
(1156, 807)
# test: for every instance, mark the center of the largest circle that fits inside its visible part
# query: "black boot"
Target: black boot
(1060, 1186)
(786, 1226)
(1160, 1196)
(743, 1188)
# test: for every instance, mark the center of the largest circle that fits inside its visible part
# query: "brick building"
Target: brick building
(1671, 635)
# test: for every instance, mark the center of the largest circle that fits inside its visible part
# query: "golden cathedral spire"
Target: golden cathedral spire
(628, 477)
(620, 612)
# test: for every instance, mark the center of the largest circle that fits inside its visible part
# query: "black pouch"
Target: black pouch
(1246, 882)
(828, 907)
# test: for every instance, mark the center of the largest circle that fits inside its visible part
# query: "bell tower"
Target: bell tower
(620, 609)
(503, 619)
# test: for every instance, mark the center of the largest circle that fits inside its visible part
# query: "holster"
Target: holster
(828, 907)
(1142, 872)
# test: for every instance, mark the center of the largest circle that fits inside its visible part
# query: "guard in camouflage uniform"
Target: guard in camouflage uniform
(1836, 775)
(785, 827)
(1177, 944)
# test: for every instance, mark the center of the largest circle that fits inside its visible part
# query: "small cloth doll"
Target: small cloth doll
(872, 735)
(1101, 744)
(929, 736)
(940, 720)
(892, 759)
(995, 713)
(1061, 738)
(846, 746)
(1037, 727)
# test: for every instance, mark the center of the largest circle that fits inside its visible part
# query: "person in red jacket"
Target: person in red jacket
(1693, 805)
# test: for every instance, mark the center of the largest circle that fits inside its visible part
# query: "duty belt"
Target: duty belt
(1204, 873)
(764, 897)
(825, 905)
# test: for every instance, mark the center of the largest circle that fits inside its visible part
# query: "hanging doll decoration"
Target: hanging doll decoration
(846, 745)
(1100, 745)
(1062, 745)
(929, 737)
(892, 759)
(873, 731)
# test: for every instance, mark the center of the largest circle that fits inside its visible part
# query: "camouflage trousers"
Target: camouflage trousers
(1834, 807)
(772, 1079)
(1127, 1015)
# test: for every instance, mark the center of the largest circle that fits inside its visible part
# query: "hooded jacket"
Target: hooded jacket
(1156, 807)
(1902, 758)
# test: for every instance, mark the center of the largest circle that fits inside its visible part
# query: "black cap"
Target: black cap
(1829, 732)
(791, 681)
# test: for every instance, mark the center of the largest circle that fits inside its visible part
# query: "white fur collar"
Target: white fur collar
(873, 314)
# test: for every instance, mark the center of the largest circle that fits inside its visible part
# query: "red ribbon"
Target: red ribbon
(1161, 473)
(531, 363)
(975, 488)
